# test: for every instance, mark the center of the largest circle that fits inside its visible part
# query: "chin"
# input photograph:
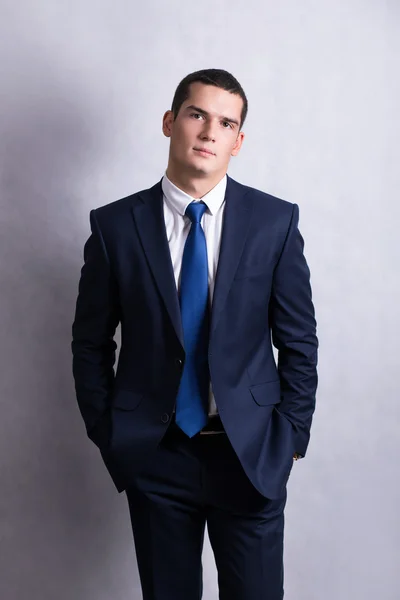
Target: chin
(196, 169)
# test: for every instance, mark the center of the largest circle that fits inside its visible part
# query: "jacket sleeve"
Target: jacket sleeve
(293, 328)
(93, 329)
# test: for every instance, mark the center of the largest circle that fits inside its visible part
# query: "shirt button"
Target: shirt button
(165, 418)
(179, 363)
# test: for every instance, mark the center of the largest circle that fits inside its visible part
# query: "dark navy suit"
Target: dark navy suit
(262, 291)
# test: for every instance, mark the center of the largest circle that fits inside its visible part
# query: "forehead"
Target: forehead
(214, 100)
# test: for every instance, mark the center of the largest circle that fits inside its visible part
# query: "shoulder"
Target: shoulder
(125, 204)
(264, 203)
(116, 213)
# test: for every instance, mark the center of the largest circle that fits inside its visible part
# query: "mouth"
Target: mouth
(204, 152)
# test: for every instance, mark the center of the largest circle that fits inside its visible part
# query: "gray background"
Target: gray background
(83, 89)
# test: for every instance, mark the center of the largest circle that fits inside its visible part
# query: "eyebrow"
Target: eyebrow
(206, 114)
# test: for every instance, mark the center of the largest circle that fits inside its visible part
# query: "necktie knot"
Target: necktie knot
(195, 211)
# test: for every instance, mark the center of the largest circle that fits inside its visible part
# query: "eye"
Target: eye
(196, 115)
(227, 122)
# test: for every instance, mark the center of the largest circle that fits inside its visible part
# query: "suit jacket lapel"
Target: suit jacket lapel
(238, 210)
(149, 218)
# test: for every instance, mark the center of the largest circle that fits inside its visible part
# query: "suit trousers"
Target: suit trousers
(187, 484)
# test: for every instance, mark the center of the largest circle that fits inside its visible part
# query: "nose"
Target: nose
(208, 132)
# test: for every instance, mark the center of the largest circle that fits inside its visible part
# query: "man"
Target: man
(199, 425)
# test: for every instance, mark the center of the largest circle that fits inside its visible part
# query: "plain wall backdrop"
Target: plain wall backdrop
(83, 87)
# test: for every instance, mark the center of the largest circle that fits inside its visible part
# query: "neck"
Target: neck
(194, 187)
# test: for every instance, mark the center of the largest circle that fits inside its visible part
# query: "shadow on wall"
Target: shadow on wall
(66, 518)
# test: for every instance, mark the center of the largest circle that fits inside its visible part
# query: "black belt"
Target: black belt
(213, 426)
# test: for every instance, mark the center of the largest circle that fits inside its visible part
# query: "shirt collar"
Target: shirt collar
(180, 200)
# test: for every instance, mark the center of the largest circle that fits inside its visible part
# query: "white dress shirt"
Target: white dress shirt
(177, 226)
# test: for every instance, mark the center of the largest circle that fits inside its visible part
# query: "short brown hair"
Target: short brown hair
(217, 77)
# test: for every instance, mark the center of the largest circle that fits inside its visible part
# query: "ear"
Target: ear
(167, 123)
(238, 144)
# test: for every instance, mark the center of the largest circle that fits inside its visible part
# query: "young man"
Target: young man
(198, 424)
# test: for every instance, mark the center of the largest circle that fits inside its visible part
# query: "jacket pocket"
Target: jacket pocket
(126, 399)
(265, 394)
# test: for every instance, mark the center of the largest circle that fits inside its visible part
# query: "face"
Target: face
(205, 133)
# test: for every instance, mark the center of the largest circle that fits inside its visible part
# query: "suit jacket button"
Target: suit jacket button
(165, 418)
(179, 363)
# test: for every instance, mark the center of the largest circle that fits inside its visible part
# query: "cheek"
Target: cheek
(181, 140)
(178, 145)
(226, 154)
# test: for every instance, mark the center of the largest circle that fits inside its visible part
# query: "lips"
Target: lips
(205, 150)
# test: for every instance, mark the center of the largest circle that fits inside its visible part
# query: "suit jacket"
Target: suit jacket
(262, 291)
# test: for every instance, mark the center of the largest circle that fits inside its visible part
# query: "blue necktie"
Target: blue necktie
(192, 398)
